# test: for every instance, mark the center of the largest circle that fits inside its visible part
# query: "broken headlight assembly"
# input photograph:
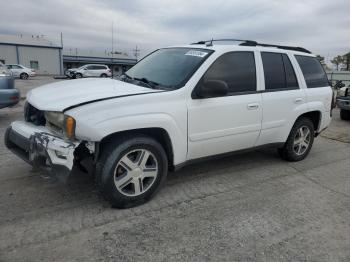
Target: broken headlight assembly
(61, 123)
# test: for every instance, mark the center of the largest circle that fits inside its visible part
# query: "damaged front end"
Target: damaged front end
(43, 149)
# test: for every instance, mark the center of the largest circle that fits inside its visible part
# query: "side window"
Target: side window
(291, 79)
(278, 71)
(313, 71)
(237, 69)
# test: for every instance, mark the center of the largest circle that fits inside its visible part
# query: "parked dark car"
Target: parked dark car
(9, 95)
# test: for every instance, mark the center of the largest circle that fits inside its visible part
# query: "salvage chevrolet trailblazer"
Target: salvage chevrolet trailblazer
(177, 105)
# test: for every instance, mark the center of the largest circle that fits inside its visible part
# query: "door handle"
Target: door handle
(253, 106)
(298, 100)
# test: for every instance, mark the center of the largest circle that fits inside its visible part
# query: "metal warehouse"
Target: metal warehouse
(49, 58)
(32, 51)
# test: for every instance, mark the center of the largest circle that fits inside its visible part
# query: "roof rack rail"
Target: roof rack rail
(252, 43)
(210, 42)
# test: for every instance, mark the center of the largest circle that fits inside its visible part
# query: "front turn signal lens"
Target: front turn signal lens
(69, 127)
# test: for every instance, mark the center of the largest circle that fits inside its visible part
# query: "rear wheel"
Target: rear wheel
(299, 142)
(344, 114)
(104, 75)
(131, 170)
(24, 76)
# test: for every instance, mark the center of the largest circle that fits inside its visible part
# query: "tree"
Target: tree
(323, 63)
(320, 58)
(338, 60)
(346, 58)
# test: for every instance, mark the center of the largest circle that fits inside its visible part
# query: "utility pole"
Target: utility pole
(136, 53)
(112, 47)
(61, 55)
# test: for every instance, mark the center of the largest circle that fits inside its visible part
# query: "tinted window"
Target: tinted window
(237, 69)
(278, 72)
(313, 71)
(97, 67)
(273, 71)
(291, 79)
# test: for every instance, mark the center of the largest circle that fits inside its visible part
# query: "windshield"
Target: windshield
(170, 67)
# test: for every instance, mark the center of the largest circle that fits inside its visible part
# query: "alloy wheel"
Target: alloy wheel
(136, 172)
(302, 140)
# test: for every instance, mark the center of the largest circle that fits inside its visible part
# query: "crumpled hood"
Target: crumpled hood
(61, 95)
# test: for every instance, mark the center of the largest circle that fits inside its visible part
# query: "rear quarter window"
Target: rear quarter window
(313, 72)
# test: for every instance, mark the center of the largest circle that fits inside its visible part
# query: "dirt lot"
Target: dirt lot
(248, 207)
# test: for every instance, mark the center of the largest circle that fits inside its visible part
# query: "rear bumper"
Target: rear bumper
(38, 147)
(9, 97)
(343, 103)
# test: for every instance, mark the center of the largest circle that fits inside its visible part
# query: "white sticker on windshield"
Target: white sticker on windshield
(196, 53)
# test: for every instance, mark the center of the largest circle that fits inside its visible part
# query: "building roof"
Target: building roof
(87, 56)
(25, 40)
(96, 54)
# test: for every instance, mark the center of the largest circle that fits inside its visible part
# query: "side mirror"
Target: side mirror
(212, 88)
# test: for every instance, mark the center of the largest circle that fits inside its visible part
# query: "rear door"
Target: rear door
(229, 122)
(283, 99)
(88, 71)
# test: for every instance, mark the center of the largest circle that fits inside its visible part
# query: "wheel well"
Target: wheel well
(159, 134)
(314, 116)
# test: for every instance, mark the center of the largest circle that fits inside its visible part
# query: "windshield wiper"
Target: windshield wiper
(149, 83)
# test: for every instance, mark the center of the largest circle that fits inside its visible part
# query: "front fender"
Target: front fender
(113, 125)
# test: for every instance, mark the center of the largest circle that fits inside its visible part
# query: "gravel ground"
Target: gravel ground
(247, 207)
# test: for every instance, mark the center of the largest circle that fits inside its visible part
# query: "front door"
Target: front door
(230, 122)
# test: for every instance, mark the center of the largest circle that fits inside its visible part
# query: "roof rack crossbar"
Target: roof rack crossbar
(252, 43)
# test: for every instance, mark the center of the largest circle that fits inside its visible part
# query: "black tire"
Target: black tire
(287, 152)
(112, 153)
(78, 75)
(104, 75)
(24, 76)
(344, 114)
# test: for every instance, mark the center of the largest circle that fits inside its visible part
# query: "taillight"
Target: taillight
(14, 98)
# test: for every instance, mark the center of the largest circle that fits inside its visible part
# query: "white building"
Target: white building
(32, 51)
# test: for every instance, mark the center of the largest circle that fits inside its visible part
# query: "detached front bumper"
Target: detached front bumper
(40, 148)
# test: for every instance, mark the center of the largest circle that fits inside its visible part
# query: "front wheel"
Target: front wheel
(299, 142)
(78, 75)
(131, 170)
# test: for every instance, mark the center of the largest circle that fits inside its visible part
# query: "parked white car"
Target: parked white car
(177, 105)
(89, 71)
(21, 71)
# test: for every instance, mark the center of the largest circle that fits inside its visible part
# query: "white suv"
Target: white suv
(175, 106)
(89, 71)
(21, 71)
